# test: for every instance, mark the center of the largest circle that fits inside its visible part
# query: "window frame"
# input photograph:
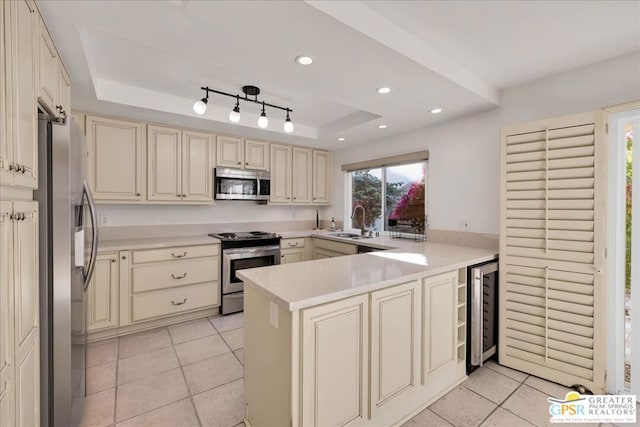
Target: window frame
(348, 179)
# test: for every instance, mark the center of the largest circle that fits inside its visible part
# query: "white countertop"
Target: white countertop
(309, 283)
(154, 243)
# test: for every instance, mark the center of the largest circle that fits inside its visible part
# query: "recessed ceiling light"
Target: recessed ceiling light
(304, 60)
(341, 139)
(382, 126)
(436, 111)
(383, 90)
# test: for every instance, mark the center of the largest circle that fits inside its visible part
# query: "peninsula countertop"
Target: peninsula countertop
(309, 283)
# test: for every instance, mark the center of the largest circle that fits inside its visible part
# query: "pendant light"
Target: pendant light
(263, 121)
(288, 124)
(234, 115)
(200, 107)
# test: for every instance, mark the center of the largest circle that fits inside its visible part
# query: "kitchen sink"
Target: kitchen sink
(345, 235)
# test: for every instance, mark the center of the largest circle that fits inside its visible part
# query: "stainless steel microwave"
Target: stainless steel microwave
(241, 184)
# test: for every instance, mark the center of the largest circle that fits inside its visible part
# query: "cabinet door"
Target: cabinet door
(102, 294)
(395, 345)
(439, 301)
(6, 176)
(256, 155)
(25, 275)
(334, 363)
(291, 256)
(27, 385)
(301, 187)
(48, 78)
(164, 163)
(64, 90)
(24, 55)
(197, 167)
(6, 313)
(321, 176)
(280, 173)
(230, 151)
(116, 164)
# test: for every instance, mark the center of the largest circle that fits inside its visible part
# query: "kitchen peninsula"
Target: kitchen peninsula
(368, 339)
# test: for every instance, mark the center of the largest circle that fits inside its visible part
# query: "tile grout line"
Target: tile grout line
(184, 377)
(115, 398)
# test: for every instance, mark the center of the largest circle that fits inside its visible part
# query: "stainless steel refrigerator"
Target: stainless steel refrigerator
(65, 205)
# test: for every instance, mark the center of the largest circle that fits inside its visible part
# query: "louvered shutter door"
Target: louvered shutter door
(552, 249)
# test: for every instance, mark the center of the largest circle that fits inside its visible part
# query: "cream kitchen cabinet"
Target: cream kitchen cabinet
(439, 341)
(234, 152)
(19, 304)
(48, 76)
(321, 177)
(395, 345)
(324, 248)
(64, 91)
(301, 186)
(335, 363)
(19, 140)
(103, 293)
(180, 165)
(170, 281)
(292, 250)
(115, 166)
(229, 151)
(280, 173)
(256, 155)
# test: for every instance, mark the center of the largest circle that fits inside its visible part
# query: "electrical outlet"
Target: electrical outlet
(104, 220)
(464, 224)
(273, 314)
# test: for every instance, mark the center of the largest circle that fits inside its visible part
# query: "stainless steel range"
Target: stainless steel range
(240, 251)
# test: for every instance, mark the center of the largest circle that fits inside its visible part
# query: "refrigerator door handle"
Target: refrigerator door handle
(94, 232)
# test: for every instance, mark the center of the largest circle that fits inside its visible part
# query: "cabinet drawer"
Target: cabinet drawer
(170, 274)
(172, 301)
(292, 243)
(343, 248)
(179, 252)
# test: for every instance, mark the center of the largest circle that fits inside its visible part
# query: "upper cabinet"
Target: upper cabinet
(301, 185)
(280, 173)
(180, 165)
(19, 140)
(64, 91)
(233, 152)
(321, 177)
(115, 164)
(48, 78)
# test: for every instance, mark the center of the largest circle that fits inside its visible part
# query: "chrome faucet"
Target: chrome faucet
(364, 227)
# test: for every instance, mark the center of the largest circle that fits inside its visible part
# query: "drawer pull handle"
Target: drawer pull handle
(293, 245)
(179, 277)
(179, 303)
(178, 256)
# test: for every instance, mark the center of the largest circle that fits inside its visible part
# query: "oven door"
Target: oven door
(234, 260)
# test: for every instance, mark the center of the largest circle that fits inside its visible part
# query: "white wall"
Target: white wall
(463, 170)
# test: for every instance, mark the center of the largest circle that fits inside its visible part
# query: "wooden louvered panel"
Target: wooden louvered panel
(551, 244)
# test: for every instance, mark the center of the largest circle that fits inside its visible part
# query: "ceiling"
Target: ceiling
(154, 56)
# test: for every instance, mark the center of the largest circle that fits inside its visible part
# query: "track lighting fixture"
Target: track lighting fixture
(234, 116)
(288, 124)
(263, 122)
(201, 106)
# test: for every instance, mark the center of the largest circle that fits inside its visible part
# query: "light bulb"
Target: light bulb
(288, 125)
(234, 115)
(263, 122)
(200, 106)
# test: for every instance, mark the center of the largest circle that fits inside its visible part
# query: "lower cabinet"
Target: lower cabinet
(27, 388)
(335, 363)
(292, 250)
(440, 323)
(395, 344)
(102, 294)
(324, 248)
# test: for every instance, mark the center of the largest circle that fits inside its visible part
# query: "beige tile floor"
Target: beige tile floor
(191, 374)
